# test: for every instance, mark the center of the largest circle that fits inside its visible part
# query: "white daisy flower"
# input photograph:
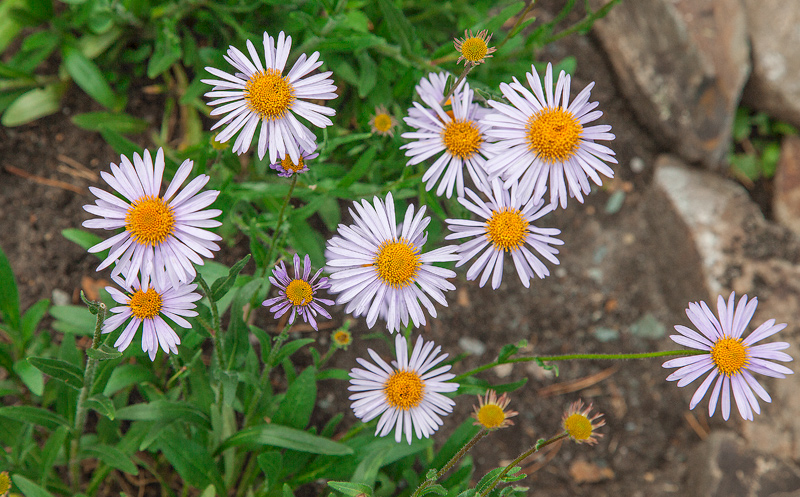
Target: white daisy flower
(162, 234)
(431, 90)
(730, 360)
(541, 135)
(146, 307)
(375, 264)
(261, 93)
(458, 137)
(408, 393)
(507, 228)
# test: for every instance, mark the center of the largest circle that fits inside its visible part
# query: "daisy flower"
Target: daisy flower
(730, 359)
(507, 228)
(146, 306)
(407, 395)
(458, 137)
(162, 234)
(374, 264)
(382, 122)
(490, 413)
(261, 93)
(287, 167)
(431, 91)
(578, 424)
(299, 293)
(474, 48)
(542, 136)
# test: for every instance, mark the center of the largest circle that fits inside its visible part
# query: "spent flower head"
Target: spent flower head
(299, 293)
(342, 338)
(580, 425)
(287, 167)
(5, 483)
(474, 48)
(382, 122)
(491, 413)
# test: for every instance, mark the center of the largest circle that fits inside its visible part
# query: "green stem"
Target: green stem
(520, 18)
(538, 446)
(569, 357)
(80, 410)
(452, 462)
(214, 321)
(467, 68)
(275, 235)
(273, 353)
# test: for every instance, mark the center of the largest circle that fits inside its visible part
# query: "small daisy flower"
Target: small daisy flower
(490, 413)
(382, 122)
(458, 137)
(342, 339)
(376, 265)
(161, 233)
(287, 167)
(730, 360)
(542, 136)
(474, 48)
(507, 228)
(579, 426)
(5, 483)
(261, 93)
(146, 306)
(408, 394)
(299, 293)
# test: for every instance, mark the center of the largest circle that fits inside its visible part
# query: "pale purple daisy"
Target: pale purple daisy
(298, 293)
(287, 167)
(431, 90)
(408, 393)
(145, 307)
(460, 139)
(506, 228)
(731, 360)
(375, 264)
(542, 136)
(161, 233)
(261, 93)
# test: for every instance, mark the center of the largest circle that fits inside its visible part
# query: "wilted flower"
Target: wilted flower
(474, 48)
(490, 413)
(382, 122)
(579, 426)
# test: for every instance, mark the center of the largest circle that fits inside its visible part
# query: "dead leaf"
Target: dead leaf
(586, 472)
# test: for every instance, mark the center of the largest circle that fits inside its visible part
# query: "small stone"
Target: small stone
(586, 472)
(615, 202)
(637, 165)
(472, 345)
(606, 334)
(503, 370)
(786, 202)
(60, 297)
(648, 327)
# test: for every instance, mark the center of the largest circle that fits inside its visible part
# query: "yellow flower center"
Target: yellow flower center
(404, 390)
(5, 483)
(145, 305)
(397, 263)
(730, 355)
(507, 229)
(342, 337)
(491, 416)
(462, 138)
(554, 134)
(269, 95)
(383, 123)
(288, 165)
(578, 426)
(299, 292)
(150, 221)
(474, 49)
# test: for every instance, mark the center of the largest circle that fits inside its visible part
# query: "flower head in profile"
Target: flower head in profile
(729, 359)
(408, 394)
(382, 122)
(542, 137)
(257, 93)
(506, 228)
(145, 306)
(457, 137)
(474, 48)
(287, 167)
(299, 293)
(377, 266)
(490, 413)
(580, 425)
(162, 234)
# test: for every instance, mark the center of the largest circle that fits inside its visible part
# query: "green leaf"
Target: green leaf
(34, 415)
(126, 375)
(305, 239)
(104, 353)
(350, 489)
(360, 168)
(85, 239)
(191, 460)
(112, 121)
(167, 49)
(399, 27)
(333, 374)
(32, 317)
(510, 349)
(9, 297)
(88, 76)
(454, 443)
(102, 405)
(30, 376)
(55, 442)
(298, 403)
(28, 488)
(271, 463)
(165, 411)
(223, 285)
(119, 143)
(290, 348)
(497, 20)
(9, 25)
(111, 456)
(434, 489)
(287, 438)
(74, 319)
(60, 370)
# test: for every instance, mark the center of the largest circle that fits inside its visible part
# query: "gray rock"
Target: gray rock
(648, 327)
(786, 202)
(774, 30)
(683, 65)
(472, 345)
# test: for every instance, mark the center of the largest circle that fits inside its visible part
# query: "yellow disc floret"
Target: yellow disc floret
(342, 338)
(404, 390)
(383, 123)
(578, 426)
(462, 138)
(269, 95)
(397, 263)
(507, 229)
(729, 355)
(299, 292)
(553, 133)
(474, 49)
(288, 165)
(5, 483)
(150, 220)
(491, 416)
(145, 305)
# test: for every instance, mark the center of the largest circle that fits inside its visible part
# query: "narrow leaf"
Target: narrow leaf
(111, 456)
(87, 75)
(165, 411)
(298, 403)
(288, 438)
(104, 353)
(99, 121)
(60, 370)
(102, 405)
(9, 297)
(34, 415)
(28, 488)
(222, 285)
(350, 489)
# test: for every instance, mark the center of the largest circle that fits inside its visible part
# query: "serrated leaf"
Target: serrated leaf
(102, 405)
(111, 456)
(120, 123)
(350, 489)
(59, 370)
(88, 76)
(104, 353)
(223, 285)
(287, 438)
(9, 297)
(34, 415)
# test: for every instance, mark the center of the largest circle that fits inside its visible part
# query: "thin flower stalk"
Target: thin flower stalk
(537, 447)
(452, 462)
